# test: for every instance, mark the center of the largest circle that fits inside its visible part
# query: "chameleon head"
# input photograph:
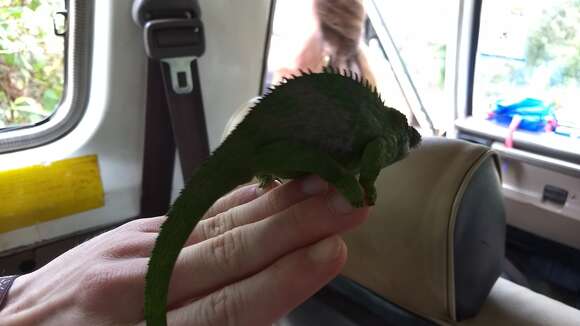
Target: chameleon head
(406, 136)
(414, 137)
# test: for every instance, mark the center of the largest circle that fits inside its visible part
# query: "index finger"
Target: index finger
(236, 197)
(239, 196)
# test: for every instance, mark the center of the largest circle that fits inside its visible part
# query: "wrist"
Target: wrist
(10, 287)
(33, 301)
(19, 306)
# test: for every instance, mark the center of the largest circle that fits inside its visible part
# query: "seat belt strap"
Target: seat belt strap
(159, 149)
(174, 39)
(188, 122)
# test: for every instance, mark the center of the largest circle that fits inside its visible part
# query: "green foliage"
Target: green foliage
(31, 61)
(555, 43)
(441, 50)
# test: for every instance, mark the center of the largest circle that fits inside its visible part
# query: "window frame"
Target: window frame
(421, 113)
(537, 149)
(77, 76)
(381, 31)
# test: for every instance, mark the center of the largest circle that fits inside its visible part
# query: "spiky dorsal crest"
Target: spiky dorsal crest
(353, 76)
(325, 70)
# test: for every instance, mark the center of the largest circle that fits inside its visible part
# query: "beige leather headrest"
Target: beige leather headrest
(435, 239)
(238, 116)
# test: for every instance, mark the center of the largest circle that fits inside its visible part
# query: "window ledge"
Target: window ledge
(548, 144)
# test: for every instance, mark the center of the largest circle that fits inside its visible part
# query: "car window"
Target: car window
(528, 65)
(421, 38)
(31, 61)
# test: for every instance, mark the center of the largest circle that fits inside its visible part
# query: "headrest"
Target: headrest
(238, 116)
(434, 242)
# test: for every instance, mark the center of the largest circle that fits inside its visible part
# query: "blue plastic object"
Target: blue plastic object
(535, 114)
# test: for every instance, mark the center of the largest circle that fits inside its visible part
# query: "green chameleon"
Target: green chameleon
(330, 124)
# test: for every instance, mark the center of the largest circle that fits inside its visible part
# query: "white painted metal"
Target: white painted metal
(523, 184)
(114, 124)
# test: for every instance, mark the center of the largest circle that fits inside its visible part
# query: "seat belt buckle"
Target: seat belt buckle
(176, 42)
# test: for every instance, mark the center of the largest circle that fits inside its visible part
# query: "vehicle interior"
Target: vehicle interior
(105, 110)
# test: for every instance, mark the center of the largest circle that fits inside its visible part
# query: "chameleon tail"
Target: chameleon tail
(216, 177)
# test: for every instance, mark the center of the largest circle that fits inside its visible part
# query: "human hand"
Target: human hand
(250, 260)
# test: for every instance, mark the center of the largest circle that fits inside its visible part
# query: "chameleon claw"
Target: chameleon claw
(371, 198)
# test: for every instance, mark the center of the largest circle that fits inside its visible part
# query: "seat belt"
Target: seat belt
(174, 38)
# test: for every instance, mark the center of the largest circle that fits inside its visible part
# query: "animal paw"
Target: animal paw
(265, 180)
(351, 190)
(371, 197)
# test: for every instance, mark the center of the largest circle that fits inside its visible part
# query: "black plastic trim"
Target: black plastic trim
(555, 195)
(344, 302)
(267, 42)
(535, 245)
(476, 22)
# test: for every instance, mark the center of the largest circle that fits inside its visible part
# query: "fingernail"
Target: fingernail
(259, 190)
(313, 185)
(326, 250)
(339, 204)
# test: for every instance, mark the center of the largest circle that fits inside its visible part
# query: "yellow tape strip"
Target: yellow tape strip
(45, 192)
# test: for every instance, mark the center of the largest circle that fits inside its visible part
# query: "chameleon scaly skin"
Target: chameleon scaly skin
(328, 124)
